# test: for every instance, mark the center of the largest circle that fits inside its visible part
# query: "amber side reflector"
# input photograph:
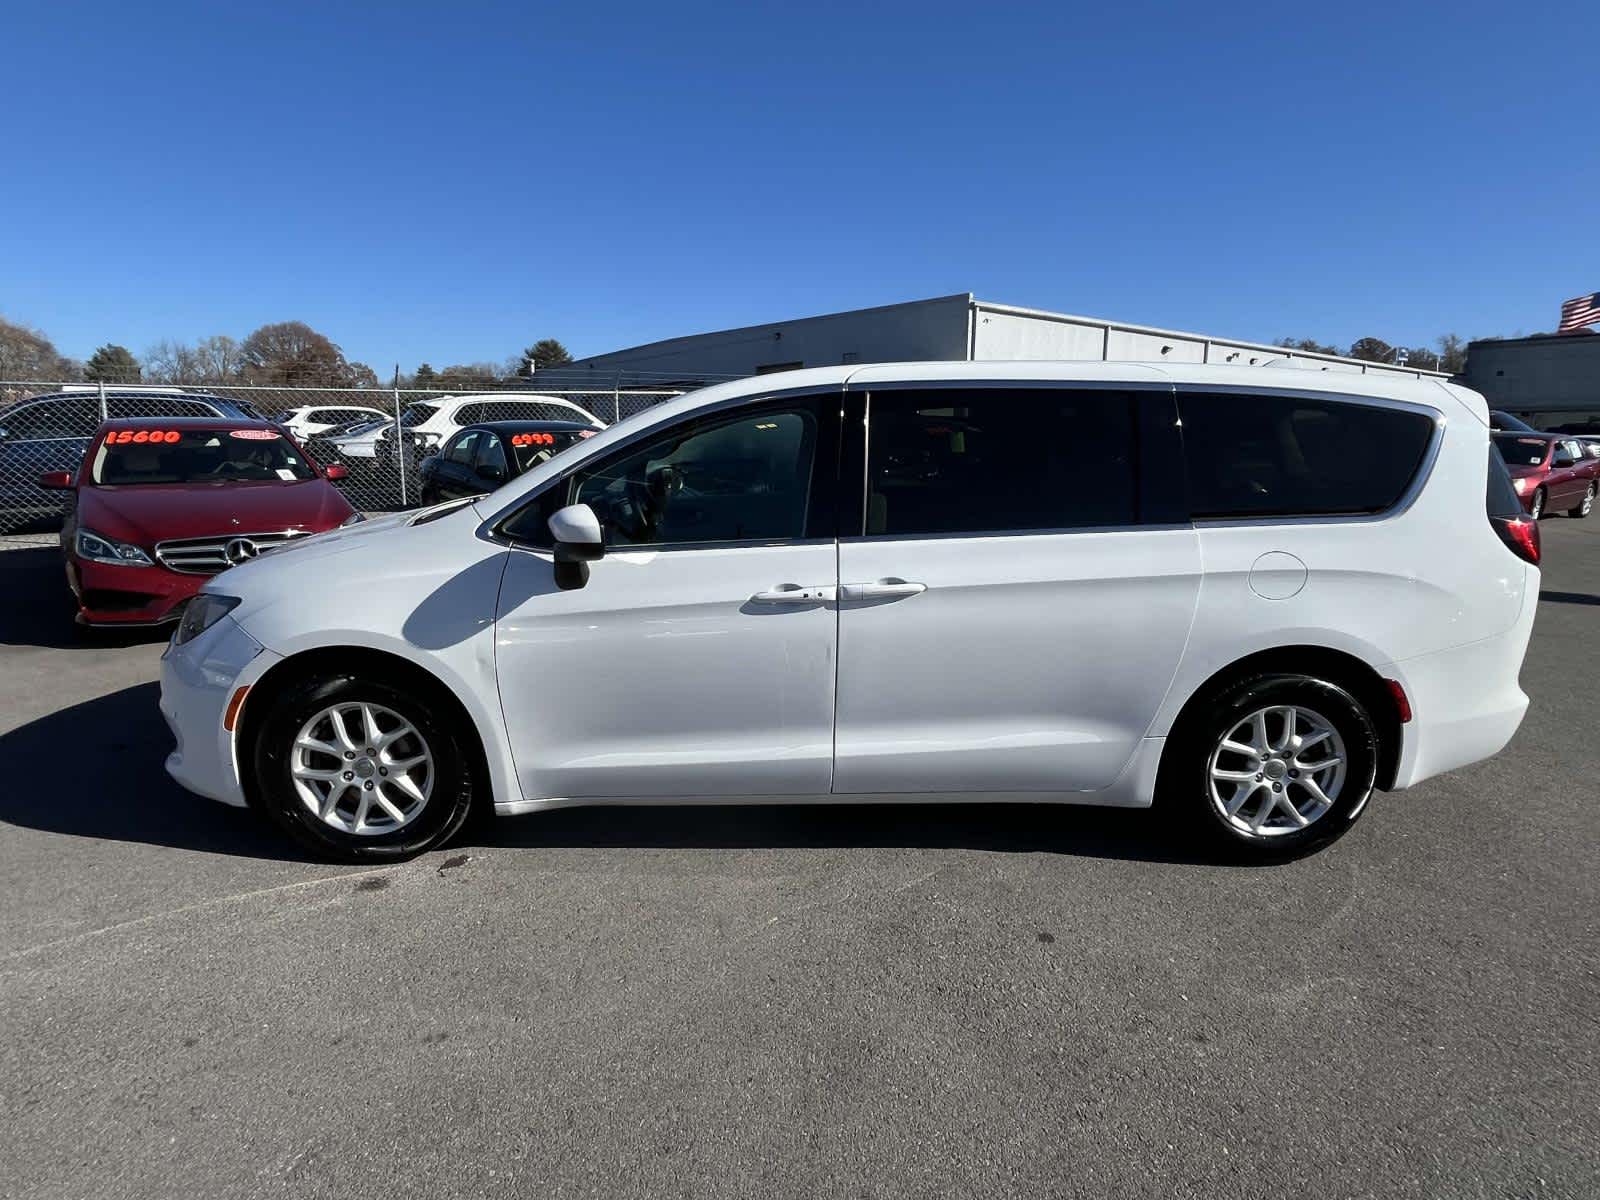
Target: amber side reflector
(231, 717)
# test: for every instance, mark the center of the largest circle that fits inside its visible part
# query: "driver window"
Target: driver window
(463, 448)
(744, 479)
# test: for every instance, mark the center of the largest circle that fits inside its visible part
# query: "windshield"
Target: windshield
(1522, 452)
(531, 449)
(416, 414)
(197, 456)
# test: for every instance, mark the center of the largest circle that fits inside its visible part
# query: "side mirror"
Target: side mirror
(1563, 460)
(56, 481)
(334, 472)
(578, 543)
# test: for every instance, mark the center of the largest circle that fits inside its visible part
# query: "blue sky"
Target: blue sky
(449, 183)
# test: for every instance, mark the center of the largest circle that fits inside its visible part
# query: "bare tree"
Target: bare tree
(291, 353)
(25, 353)
(1452, 353)
(171, 361)
(219, 358)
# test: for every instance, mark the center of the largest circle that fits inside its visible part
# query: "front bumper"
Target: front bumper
(197, 680)
(116, 595)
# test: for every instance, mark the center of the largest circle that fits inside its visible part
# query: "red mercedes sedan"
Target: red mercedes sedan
(162, 504)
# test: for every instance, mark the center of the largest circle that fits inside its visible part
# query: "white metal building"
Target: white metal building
(948, 328)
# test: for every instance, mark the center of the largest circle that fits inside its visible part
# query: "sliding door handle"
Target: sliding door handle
(794, 593)
(884, 589)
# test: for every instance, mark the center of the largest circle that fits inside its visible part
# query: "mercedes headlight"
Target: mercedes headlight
(204, 611)
(97, 548)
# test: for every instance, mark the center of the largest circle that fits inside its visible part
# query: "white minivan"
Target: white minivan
(1251, 595)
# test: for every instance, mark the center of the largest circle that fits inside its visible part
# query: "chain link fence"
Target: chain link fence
(379, 435)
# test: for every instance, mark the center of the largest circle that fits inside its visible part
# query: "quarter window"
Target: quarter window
(952, 461)
(1257, 455)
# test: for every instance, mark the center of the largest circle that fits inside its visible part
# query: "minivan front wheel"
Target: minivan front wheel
(1276, 765)
(361, 770)
(1586, 505)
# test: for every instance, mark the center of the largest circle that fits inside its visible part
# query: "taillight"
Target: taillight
(1521, 536)
(1402, 705)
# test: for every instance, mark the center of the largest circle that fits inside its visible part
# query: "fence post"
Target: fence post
(616, 398)
(399, 445)
(104, 414)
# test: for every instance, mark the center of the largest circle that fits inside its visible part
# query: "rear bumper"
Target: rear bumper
(1466, 701)
(113, 595)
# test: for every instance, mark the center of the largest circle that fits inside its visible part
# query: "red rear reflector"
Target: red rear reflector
(231, 717)
(1521, 536)
(1401, 704)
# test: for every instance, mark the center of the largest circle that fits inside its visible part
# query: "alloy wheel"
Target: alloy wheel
(362, 768)
(1277, 771)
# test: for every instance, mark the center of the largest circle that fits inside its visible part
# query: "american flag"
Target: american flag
(1579, 312)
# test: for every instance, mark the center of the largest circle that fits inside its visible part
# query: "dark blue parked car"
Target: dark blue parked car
(51, 432)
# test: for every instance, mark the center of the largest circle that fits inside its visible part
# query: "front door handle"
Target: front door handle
(884, 589)
(794, 593)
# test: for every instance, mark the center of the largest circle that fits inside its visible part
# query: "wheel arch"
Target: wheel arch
(323, 660)
(1340, 667)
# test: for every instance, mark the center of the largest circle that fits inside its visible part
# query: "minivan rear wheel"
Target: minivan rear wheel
(1274, 766)
(1536, 509)
(361, 769)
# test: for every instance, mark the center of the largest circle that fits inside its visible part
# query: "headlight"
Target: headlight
(104, 550)
(204, 611)
(1520, 483)
(354, 518)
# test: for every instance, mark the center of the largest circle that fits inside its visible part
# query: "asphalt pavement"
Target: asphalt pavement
(790, 1002)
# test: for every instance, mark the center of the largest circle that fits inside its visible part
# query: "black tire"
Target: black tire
(273, 792)
(1186, 787)
(1586, 505)
(1536, 509)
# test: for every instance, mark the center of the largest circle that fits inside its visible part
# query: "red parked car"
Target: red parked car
(1550, 472)
(164, 503)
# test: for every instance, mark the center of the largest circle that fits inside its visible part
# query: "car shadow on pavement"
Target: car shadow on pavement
(1569, 597)
(118, 788)
(1073, 830)
(119, 743)
(37, 608)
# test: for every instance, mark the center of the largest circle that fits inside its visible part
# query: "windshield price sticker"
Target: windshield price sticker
(255, 435)
(140, 437)
(534, 439)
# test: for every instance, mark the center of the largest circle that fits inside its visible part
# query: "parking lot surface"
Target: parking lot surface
(764, 1001)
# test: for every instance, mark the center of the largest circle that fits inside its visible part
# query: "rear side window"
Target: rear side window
(953, 461)
(1256, 455)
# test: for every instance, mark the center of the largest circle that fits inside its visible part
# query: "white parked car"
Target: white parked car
(311, 419)
(1253, 594)
(360, 440)
(432, 421)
